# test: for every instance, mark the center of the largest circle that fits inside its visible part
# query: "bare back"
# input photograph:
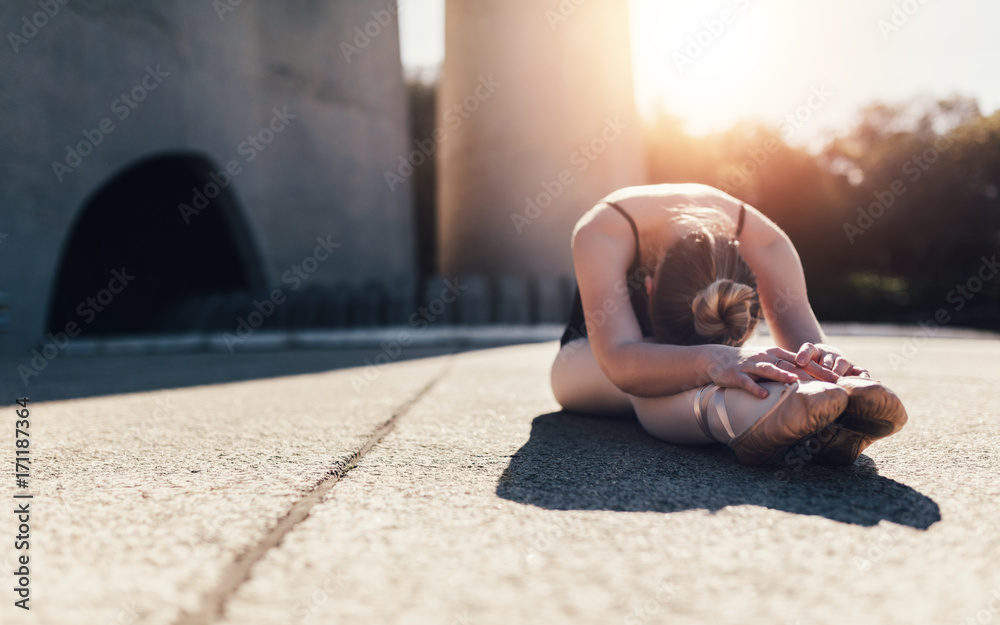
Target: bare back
(604, 248)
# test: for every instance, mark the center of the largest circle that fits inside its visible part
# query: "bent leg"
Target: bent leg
(672, 418)
(580, 385)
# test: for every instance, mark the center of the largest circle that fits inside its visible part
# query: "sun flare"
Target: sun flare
(720, 62)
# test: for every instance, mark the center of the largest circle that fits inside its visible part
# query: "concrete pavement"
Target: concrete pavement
(451, 490)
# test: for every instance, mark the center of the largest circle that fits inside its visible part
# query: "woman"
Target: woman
(672, 280)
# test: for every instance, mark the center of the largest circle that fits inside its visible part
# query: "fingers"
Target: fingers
(776, 372)
(807, 352)
(746, 383)
(786, 361)
(781, 354)
(820, 373)
(780, 357)
(798, 371)
(856, 370)
(841, 366)
(820, 364)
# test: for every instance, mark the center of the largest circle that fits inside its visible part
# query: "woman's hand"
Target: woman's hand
(829, 358)
(742, 367)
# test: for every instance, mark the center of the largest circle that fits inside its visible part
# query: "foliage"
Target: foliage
(872, 250)
(888, 218)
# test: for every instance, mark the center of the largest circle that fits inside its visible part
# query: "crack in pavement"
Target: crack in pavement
(237, 572)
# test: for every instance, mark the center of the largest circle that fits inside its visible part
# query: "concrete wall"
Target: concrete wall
(216, 80)
(536, 105)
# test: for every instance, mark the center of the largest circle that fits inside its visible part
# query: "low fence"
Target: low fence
(440, 300)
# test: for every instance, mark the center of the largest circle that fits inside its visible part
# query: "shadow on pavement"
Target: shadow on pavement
(580, 462)
(76, 377)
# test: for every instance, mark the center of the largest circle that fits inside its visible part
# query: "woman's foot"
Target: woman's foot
(873, 412)
(760, 431)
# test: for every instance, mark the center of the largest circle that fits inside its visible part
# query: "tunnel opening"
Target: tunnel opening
(134, 258)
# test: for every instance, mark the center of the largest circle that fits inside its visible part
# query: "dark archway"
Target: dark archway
(134, 223)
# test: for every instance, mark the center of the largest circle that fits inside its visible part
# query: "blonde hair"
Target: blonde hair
(705, 292)
(722, 310)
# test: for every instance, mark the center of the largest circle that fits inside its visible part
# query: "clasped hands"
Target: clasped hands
(813, 361)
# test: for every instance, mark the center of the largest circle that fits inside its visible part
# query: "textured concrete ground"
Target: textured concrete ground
(450, 490)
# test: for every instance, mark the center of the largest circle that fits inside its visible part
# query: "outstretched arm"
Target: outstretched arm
(781, 282)
(782, 288)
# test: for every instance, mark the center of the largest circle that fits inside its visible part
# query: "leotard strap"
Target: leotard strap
(739, 224)
(635, 231)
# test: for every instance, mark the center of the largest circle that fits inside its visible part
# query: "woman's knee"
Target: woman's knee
(561, 375)
(579, 384)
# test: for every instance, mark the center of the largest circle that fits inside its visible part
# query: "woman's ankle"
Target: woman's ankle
(743, 409)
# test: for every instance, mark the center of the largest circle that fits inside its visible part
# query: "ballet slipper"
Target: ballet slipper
(873, 412)
(801, 410)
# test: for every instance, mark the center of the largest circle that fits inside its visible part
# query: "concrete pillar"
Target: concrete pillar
(224, 68)
(538, 119)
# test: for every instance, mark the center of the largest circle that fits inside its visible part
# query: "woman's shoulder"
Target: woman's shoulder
(601, 223)
(669, 210)
(675, 195)
(676, 207)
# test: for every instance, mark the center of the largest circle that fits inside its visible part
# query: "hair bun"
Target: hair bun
(722, 311)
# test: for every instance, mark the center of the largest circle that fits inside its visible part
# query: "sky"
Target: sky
(765, 60)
